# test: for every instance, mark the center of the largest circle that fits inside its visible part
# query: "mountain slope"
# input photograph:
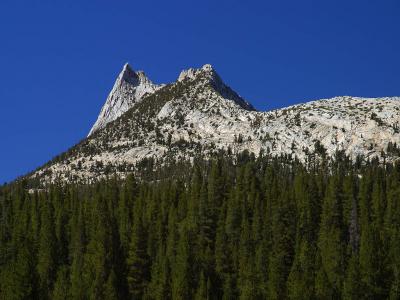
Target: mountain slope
(200, 115)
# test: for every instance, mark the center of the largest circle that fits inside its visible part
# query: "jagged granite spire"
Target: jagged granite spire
(128, 89)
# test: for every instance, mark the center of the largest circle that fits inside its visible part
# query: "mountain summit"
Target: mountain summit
(199, 115)
(208, 74)
(129, 88)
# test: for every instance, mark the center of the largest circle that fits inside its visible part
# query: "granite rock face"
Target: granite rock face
(129, 88)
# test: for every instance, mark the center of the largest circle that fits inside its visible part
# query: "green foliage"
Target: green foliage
(62, 285)
(47, 251)
(331, 241)
(138, 263)
(242, 228)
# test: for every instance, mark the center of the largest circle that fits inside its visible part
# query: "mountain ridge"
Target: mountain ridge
(200, 115)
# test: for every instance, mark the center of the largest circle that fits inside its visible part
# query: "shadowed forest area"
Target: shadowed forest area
(243, 228)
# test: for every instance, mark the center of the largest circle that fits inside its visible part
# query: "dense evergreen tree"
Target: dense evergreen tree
(98, 257)
(331, 242)
(182, 280)
(302, 275)
(77, 251)
(47, 251)
(235, 227)
(138, 263)
(18, 280)
(62, 285)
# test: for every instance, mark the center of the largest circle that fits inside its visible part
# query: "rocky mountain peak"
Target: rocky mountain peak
(207, 75)
(133, 77)
(142, 77)
(129, 88)
(206, 71)
(128, 74)
(132, 86)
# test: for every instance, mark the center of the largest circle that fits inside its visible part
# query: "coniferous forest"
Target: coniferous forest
(243, 228)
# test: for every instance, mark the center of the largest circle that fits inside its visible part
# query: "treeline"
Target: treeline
(257, 229)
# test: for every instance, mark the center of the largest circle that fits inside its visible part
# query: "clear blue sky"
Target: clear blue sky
(59, 59)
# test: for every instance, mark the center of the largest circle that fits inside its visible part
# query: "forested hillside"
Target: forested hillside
(243, 228)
